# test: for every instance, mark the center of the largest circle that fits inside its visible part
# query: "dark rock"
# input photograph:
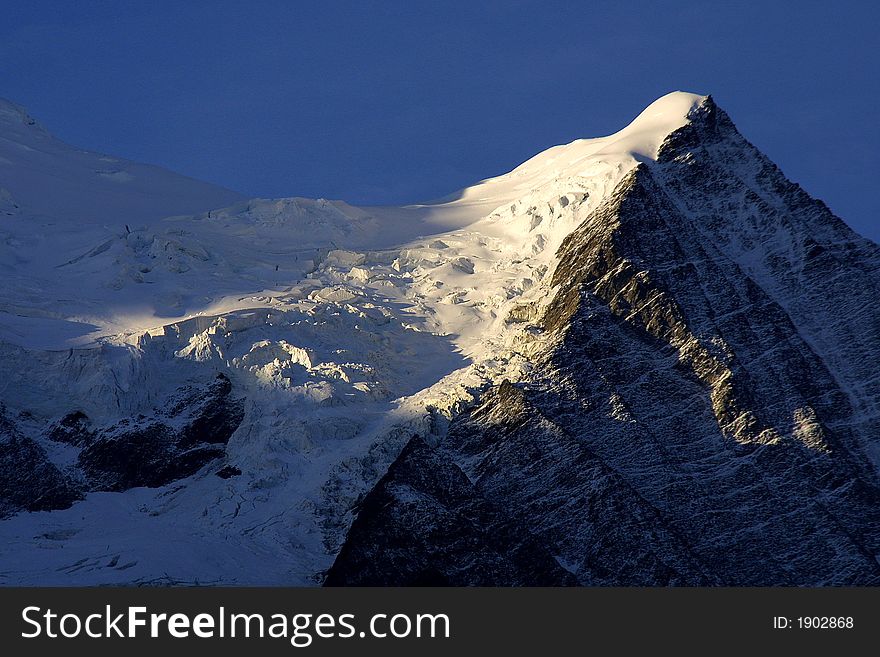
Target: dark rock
(145, 455)
(177, 443)
(215, 417)
(28, 480)
(424, 524)
(73, 429)
(228, 471)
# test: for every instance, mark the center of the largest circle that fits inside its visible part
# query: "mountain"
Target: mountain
(642, 359)
(45, 177)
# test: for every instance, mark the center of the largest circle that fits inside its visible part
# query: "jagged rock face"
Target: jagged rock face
(29, 481)
(192, 431)
(209, 416)
(126, 456)
(425, 524)
(73, 429)
(823, 278)
(704, 409)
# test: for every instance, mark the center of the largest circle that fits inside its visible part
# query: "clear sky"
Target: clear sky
(394, 102)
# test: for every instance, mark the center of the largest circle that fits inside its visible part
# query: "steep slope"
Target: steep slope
(822, 275)
(705, 346)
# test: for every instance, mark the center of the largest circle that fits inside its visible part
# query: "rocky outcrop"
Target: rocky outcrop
(29, 481)
(75, 429)
(148, 454)
(425, 524)
(191, 431)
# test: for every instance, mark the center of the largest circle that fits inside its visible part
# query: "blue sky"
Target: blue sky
(392, 102)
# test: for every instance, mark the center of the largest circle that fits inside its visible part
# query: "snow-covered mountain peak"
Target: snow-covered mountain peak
(642, 325)
(101, 243)
(641, 139)
(665, 114)
(602, 160)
